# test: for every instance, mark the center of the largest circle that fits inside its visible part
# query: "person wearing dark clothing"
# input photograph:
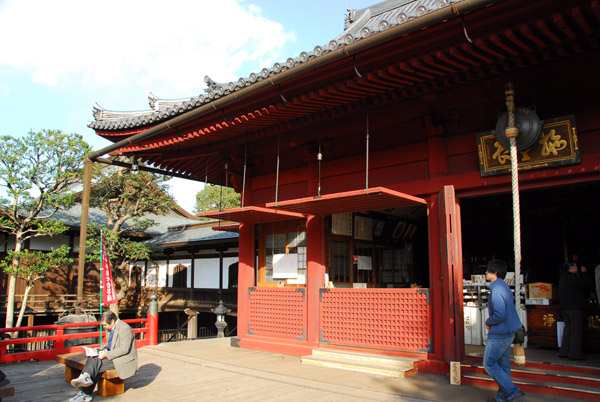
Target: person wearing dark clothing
(571, 291)
(502, 324)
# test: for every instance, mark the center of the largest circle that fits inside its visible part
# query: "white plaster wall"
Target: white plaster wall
(206, 273)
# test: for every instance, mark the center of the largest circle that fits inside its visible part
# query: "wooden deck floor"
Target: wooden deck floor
(212, 370)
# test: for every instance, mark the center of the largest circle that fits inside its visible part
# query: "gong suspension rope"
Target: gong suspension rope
(277, 174)
(512, 131)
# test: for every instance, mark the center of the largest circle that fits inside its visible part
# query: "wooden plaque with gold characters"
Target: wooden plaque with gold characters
(556, 146)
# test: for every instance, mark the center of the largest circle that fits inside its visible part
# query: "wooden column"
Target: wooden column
(85, 206)
(246, 267)
(436, 276)
(315, 275)
(451, 275)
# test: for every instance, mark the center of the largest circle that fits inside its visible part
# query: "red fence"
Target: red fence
(54, 345)
(392, 319)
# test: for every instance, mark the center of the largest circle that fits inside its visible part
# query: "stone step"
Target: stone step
(362, 362)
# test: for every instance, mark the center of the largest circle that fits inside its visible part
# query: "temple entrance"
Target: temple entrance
(557, 224)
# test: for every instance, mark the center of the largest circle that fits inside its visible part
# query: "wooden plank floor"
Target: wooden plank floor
(212, 370)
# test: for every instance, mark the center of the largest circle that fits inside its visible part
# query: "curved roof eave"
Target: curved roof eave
(371, 21)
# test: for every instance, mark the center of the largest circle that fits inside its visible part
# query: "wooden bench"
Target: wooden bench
(6, 390)
(108, 384)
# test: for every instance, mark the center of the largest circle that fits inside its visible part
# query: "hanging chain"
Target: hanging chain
(245, 164)
(367, 152)
(277, 175)
(320, 159)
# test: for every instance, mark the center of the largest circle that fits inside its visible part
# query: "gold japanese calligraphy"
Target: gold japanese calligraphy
(548, 320)
(593, 322)
(551, 143)
(556, 146)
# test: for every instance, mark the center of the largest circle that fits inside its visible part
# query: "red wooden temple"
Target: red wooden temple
(371, 163)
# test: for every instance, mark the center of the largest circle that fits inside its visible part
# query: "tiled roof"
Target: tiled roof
(162, 223)
(193, 235)
(359, 25)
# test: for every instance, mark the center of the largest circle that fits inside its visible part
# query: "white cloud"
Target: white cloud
(158, 45)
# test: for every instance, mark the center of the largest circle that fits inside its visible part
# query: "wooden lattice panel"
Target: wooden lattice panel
(396, 319)
(277, 312)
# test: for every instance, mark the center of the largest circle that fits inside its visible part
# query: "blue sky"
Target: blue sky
(60, 57)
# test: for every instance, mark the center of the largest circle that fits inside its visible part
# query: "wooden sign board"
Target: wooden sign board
(556, 146)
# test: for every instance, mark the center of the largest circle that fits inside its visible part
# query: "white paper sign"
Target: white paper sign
(285, 266)
(365, 263)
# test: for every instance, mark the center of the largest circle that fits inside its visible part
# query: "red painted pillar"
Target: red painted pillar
(153, 320)
(315, 276)
(436, 277)
(247, 259)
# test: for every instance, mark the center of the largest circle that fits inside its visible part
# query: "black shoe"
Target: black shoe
(5, 381)
(576, 358)
(520, 395)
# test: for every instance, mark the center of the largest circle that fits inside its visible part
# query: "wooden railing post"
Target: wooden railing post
(59, 344)
(153, 320)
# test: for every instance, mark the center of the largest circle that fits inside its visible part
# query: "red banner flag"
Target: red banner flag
(109, 295)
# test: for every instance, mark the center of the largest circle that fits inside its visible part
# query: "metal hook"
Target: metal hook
(281, 94)
(356, 68)
(462, 17)
(225, 117)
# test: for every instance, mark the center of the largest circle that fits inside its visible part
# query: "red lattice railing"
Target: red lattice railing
(277, 312)
(394, 319)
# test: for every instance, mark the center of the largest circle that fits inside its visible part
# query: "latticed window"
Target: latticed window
(340, 261)
(364, 266)
(284, 257)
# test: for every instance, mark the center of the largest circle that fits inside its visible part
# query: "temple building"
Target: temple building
(375, 174)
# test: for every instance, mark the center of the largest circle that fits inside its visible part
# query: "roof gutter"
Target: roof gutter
(433, 18)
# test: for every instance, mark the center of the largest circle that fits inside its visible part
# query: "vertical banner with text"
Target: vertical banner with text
(109, 295)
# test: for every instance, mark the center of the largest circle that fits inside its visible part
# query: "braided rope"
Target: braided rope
(516, 219)
(512, 132)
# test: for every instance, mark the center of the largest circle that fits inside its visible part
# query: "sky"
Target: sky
(60, 57)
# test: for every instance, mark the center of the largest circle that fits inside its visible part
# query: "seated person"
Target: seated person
(119, 352)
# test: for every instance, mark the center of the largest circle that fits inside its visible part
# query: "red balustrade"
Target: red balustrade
(147, 335)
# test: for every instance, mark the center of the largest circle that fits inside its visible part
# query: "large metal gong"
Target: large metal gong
(529, 125)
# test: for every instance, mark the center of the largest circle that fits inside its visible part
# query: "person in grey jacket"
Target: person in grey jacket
(502, 324)
(119, 352)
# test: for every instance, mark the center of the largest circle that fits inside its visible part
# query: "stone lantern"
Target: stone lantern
(220, 312)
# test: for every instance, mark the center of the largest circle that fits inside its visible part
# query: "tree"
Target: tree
(127, 198)
(36, 172)
(33, 265)
(216, 198)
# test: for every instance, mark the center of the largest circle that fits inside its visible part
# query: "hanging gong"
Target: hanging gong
(529, 126)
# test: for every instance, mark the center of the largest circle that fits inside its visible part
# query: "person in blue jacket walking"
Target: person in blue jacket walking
(502, 324)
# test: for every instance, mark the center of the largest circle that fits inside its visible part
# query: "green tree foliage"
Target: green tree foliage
(127, 198)
(33, 265)
(36, 172)
(216, 198)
